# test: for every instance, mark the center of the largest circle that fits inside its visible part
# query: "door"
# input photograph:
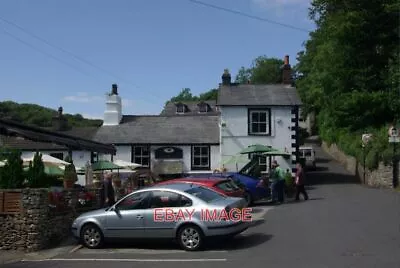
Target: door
(126, 219)
(166, 210)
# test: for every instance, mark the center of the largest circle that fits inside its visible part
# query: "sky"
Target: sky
(69, 53)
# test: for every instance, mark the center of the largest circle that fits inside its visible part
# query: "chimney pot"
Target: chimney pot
(226, 78)
(114, 90)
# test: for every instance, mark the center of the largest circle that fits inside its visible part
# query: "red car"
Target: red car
(222, 186)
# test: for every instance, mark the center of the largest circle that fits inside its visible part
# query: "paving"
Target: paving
(343, 224)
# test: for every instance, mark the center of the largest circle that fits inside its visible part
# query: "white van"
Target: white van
(308, 154)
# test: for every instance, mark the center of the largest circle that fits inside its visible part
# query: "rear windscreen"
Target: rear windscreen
(225, 186)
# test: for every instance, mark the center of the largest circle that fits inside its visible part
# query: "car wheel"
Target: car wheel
(91, 236)
(190, 238)
(248, 198)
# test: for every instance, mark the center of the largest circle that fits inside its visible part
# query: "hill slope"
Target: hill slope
(33, 114)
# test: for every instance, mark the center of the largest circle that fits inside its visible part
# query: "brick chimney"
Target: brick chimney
(286, 71)
(226, 78)
(59, 122)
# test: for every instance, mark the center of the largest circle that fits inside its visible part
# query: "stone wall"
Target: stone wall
(38, 225)
(381, 177)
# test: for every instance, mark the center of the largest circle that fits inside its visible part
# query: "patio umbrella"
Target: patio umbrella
(105, 165)
(53, 171)
(276, 152)
(256, 148)
(88, 173)
(126, 164)
(47, 159)
(2, 163)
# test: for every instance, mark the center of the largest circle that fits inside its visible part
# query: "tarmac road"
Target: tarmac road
(342, 225)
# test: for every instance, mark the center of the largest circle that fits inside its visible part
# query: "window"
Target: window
(200, 157)
(134, 201)
(226, 186)
(141, 155)
(180, 108)
(203, 107)
(204, 194)
(165, 199)
(259, 122)
(262, 162)
(58, 155)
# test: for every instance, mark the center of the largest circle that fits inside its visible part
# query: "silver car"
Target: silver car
(175, 211)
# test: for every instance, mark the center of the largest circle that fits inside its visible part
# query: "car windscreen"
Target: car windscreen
(204, 194)
(226, 186)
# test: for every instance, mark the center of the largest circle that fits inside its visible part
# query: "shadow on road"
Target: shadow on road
(316, 178)
(240, 242)
(235, 243)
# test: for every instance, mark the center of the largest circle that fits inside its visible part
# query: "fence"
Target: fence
(10, 202)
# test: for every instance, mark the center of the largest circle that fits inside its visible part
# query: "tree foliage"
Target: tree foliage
(32, 114)
(263, 70)
(186, 95)
(36, 175)
(12, 174)
(349, 72)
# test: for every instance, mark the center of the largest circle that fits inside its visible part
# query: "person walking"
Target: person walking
(278, 183)
(108, 189)
(299, 182)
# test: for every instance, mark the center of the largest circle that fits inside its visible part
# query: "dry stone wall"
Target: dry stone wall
(382, 177)
(38, 226)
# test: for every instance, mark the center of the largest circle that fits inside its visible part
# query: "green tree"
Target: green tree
(12, 174)
(263, 70)
(37, 176)
(186, 95)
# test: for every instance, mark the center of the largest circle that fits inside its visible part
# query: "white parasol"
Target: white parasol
(47, 159)
(126, 164)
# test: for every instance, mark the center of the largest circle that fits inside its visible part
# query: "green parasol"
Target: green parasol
(53, 171)
(256, 148)
(276, 152)
(104, 165)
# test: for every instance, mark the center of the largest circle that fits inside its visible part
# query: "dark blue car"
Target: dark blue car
(246, 178)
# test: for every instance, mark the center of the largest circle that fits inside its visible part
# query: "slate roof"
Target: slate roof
(29, 145)
(41, 136)
(258, 95)
(161, 130)
(193, 108)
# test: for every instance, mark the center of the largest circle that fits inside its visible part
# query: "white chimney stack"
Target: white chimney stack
(113, 112)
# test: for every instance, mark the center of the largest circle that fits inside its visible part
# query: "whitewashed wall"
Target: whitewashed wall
(234, 136)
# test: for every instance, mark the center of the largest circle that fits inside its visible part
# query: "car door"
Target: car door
(126, 218)
(165, 211)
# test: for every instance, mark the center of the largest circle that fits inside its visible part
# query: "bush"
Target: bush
(12, 174)
(378, 150)
(37, 177)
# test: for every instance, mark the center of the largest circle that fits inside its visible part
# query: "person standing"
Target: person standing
(278, 183)
(299, 182)
(109, 193)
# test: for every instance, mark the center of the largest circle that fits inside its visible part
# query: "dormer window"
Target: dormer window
(181, 108)
(204, 107)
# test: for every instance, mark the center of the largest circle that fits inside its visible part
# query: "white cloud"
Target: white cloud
(83, 97)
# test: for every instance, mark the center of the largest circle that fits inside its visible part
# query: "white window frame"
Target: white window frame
(204, 106)
(207, 155)
(267, 123)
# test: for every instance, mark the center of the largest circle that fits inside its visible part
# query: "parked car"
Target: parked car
(221, 185)
(307, 153)
(134, 217)
(254, 188)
